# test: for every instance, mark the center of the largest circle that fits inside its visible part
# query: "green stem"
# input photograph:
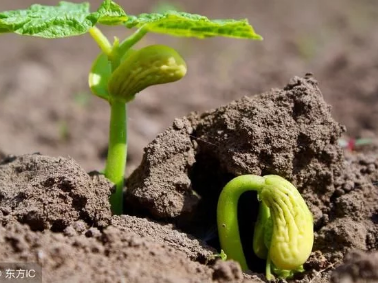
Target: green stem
(268, 269)
(131, 40)
(117, 150)
(261, 229)
(101, 40)
(227, 215)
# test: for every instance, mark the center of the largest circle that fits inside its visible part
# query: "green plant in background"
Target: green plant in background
(82, 99)
(119, 72)
(283, 232)
(64, 130)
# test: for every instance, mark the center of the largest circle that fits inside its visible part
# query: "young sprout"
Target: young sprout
(119, 72)
(222, 256)
(283, 232)
(151, 65)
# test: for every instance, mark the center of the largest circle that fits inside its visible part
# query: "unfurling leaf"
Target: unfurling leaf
(99, 76)
(65, 19)
(110, 13)
(191, 25)
(151, 65)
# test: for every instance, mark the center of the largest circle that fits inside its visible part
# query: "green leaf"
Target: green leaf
(110, 13)
(66, 19)
(99, 76)
(151, 65)
(4, 30)
(191, 25)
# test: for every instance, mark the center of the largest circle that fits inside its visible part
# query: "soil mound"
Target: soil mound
(51, 193)
(289, 132)
(358, 267)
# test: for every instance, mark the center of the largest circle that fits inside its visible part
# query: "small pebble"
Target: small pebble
(79, 226)
(178, 124)
(93, 232)
(69, 231)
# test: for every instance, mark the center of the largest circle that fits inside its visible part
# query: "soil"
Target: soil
(358, 267)
(54, 213)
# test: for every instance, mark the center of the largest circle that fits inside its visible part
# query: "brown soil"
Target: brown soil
(288, 132)
(358, 267)
(55, 214)
(50, 193)
(52, 212)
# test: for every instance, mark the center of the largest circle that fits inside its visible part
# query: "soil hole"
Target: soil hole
(58, 225)
(374, 218)
(248, 208)
(208, 179)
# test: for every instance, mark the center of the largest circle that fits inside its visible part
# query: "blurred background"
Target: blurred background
(46, 105)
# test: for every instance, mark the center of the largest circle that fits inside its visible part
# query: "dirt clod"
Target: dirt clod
(161, 185)
(51, 193)
(358, 267)
(227, 270)
(289, 132)
(165, 234)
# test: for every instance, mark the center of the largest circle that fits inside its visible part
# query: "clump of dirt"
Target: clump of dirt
(165, 234)
(358, 267)
(289, 132)
(351, 221)
(161, 185)
(227, 271)
(51, 193)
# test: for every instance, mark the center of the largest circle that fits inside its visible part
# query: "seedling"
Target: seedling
(119, 72)
(222, 256)
(283, 232)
